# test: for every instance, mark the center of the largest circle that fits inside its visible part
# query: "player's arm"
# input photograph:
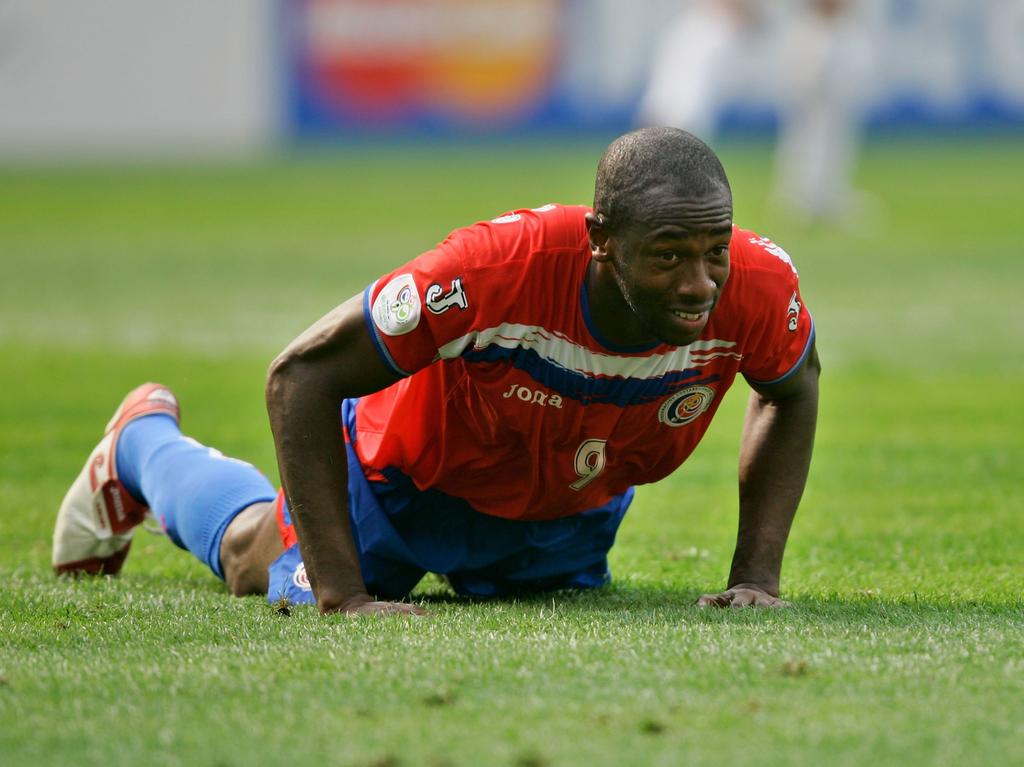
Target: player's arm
(775, 454)
(332, 360)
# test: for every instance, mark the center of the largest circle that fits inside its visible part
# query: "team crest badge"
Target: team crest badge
(685, 405)
(396, 310)
(300, 579)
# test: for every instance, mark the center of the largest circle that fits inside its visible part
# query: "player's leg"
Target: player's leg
(532, 556)
(144, 462)
(404, 531)
(251, 543)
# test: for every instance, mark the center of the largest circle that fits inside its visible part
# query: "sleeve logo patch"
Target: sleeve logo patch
(439, 302)
(396, 310)
(793, 314)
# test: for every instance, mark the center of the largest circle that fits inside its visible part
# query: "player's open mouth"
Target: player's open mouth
(691, 316)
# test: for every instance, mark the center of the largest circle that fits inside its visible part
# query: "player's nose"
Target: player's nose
(695, 286)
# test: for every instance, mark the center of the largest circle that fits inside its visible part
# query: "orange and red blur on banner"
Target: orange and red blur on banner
(394, 63)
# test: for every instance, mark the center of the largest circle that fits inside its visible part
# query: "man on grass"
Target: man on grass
(484, 411)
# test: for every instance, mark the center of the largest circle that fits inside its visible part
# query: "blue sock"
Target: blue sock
(193, 490)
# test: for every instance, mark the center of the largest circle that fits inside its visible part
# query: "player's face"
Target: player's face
(671, 268)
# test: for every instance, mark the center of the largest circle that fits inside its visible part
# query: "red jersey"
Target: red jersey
(510, 399)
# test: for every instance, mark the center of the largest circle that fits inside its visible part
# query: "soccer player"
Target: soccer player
(484, 411)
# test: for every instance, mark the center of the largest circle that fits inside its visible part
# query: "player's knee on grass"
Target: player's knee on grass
(250, 544)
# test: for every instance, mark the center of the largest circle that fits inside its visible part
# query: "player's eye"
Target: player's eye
(667, 256)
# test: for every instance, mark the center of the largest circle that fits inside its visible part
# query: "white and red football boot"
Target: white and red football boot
(98, 516)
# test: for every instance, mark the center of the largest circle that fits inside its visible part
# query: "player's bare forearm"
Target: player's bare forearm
(314, 472)
(306, 385)
(775, 455)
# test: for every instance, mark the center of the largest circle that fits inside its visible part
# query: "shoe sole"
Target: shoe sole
(98, 517)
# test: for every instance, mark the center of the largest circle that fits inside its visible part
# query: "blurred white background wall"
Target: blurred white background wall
(136, 75)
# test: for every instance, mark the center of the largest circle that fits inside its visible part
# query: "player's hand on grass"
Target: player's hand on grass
(742, 595)
(386, 608)
(365, 605)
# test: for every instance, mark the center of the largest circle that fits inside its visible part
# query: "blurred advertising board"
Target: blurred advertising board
(441, 65)
(371, 67)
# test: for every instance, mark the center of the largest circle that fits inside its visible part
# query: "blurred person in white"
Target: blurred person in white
(693, 72)
(825, 71)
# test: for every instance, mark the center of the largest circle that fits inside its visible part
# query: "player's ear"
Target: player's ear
(597, 233)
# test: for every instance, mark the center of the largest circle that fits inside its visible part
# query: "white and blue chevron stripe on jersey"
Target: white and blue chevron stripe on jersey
(586, 375)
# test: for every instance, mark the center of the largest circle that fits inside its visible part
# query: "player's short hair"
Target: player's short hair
(654, 158)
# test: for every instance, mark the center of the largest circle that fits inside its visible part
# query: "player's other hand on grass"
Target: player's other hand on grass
(365, 605)
(741, 595)
(386, 608)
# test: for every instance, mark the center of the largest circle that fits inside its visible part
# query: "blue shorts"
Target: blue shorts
(402, 533)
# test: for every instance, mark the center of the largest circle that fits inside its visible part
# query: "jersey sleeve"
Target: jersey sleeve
(418, 308)
(782, 329)
(430, 308)
(481, 278)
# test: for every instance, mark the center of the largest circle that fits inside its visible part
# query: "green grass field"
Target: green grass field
(905, 644)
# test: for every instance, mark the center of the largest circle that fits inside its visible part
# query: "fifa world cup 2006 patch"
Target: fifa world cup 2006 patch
(685, 405)
(396, 310)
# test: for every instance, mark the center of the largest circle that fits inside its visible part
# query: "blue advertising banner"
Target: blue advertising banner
(371, 67)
